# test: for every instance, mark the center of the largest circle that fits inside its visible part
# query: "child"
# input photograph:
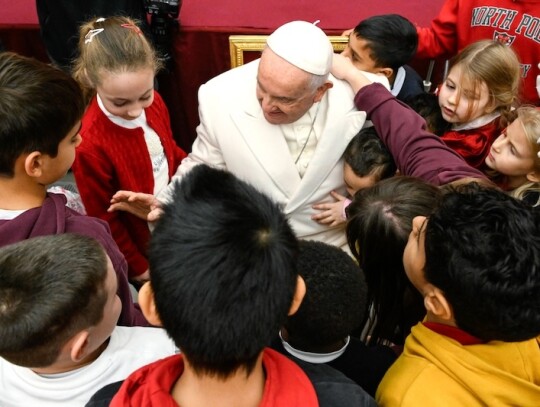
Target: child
(366, 162)
(222, 283)
(40, 113)
(377, 230)
(476, 98)
(333, 307)
(58, 311)
(128, 142)
(462, 22)
(383, 45)
(513, 157)
(476, 262)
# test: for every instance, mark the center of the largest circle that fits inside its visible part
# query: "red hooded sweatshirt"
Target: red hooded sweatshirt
(512, 22)
(286, 384)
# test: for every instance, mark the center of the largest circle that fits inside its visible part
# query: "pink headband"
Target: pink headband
(132, 27)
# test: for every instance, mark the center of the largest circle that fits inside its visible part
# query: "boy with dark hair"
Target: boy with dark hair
(58, 311)
(333, 307)
(40, 115)
(366, 161)
(222, 282)
(384, 44)
(476, 261)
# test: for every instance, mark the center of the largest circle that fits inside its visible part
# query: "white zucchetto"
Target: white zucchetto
(304, 45)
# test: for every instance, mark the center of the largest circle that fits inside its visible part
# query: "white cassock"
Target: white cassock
(235, 136)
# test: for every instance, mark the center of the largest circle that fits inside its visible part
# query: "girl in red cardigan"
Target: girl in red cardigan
(477, 96)
(127, 139)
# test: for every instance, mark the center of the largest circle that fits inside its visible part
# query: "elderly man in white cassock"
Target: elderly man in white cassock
(281, 123)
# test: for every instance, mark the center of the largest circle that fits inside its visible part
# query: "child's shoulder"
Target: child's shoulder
(407, 380)
(142, 342)
(76, 222)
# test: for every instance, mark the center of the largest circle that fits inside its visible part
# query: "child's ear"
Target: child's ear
(148, 305)
(533, 176)
(436, 303)
(388, 72)
(33, 164)
(491, 106)
(299, 293)
(79, 344)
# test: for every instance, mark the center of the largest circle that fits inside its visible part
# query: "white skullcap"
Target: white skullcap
(303, 45)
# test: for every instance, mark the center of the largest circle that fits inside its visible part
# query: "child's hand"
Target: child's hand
(144, 206)
(332, 214)
(343, 68)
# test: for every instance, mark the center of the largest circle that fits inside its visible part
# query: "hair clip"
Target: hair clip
(91, 34)
(132, 27)
(100, 20)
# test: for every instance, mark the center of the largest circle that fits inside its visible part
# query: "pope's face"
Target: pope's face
(284, 91)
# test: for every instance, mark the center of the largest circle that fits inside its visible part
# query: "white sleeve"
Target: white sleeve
(205, 149)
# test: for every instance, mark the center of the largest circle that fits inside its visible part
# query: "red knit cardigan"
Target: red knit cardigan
(111, 158)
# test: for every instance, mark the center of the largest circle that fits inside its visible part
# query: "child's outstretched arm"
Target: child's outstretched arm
(333, 213)
(416, 151)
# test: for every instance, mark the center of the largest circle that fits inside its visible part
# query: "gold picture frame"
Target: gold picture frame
(239, 44)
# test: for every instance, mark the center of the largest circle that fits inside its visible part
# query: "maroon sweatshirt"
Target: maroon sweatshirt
(52, 218)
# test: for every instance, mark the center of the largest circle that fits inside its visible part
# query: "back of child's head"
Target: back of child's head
(494, 64)
(367, 155)
(378, 227)
(114, 45)
(335, 300)
(427, 106)
(51, 287)
(529, 117)
(392, 39)
(483, 251)
(223, 270)
(39, 105)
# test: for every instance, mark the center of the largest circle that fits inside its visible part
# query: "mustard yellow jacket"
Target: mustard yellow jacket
(435, 370)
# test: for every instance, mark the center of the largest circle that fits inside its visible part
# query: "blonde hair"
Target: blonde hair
(494, 64)
(529, 116)
(114, 44)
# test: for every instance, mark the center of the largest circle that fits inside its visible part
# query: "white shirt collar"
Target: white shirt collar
(478, 122)
(399, 81)
(314, 357)
(128, 124)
